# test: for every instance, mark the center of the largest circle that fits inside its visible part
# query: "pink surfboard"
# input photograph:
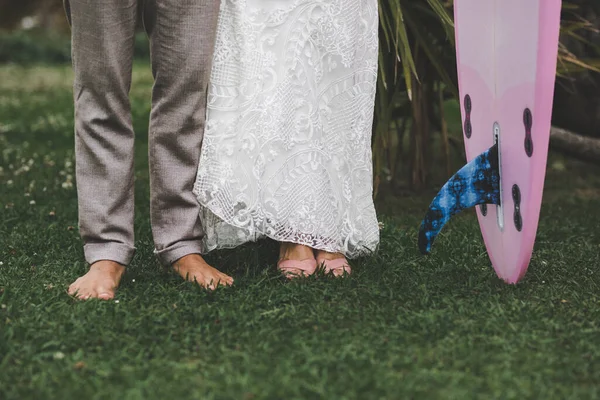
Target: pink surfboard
(507, 54)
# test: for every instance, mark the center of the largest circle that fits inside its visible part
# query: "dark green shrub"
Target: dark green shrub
(26, 48)
(31, 47)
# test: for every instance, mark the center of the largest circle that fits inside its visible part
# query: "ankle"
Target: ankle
(325, 255)
(108, 267)
(293, 251)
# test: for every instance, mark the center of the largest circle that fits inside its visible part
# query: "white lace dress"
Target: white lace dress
(287, 146)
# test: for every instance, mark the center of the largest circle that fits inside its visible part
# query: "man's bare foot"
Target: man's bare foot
(296, 252)
(100, 282)
(193, 268)
(338, 267)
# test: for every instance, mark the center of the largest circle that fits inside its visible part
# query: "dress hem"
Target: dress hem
(263, 235)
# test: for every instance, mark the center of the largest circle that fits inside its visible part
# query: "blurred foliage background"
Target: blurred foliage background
(417, 137)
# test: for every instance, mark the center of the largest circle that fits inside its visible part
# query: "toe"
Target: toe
(81, 295)
(76, 292)
(225, 281)
(104, 292)
(291, 273)
(104, 295)
(341, 271)
(74, 287)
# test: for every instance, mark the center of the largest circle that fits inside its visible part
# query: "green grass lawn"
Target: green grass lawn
(401, 327)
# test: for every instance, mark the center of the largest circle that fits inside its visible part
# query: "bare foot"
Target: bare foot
(339, 268)
(193, 268)
(295, 252)
(100, 282)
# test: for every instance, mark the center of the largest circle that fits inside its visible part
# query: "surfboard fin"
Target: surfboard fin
(476, 183)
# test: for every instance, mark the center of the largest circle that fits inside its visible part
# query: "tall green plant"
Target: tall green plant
(417, 74)
(416, 62)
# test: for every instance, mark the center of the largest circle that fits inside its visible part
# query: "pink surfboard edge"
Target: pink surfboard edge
(510, 250)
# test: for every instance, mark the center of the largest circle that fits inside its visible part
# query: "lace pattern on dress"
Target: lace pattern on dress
(287, 145)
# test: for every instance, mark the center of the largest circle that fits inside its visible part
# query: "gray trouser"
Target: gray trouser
(182, 34)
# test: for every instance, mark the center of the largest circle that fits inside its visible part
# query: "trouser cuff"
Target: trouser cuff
(110, 251)
(169, 255)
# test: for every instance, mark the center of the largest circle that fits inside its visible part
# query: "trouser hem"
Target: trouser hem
(169, 255)
(110, 251)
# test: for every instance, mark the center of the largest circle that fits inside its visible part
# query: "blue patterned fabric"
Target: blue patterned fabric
(478, 182)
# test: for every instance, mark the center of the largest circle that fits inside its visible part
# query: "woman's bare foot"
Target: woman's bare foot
(100, 282)
(295, 252)
(193, 268)
(338, 267)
